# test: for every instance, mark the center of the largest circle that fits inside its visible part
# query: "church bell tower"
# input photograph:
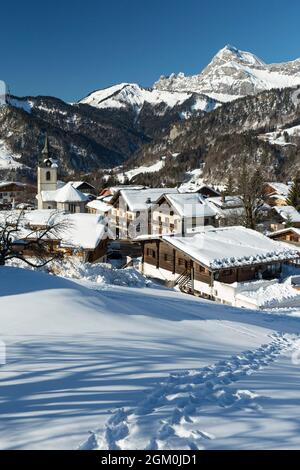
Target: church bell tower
(46, 173)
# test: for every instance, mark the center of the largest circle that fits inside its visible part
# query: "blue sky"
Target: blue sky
(69, 48)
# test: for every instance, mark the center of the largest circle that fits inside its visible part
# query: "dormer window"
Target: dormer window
(48, 176)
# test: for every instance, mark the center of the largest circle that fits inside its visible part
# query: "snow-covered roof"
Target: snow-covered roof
(280, 189)
(190, 205)
(77, 184)
(66, 193)
(79, 230)
(115, 189)
(99, 206)
(230, 247)
(142, 200)
(40, 217)
(6, 183)
(285, 230)
(83, 231)
(69, 194)
(227, 202)
(288, 212)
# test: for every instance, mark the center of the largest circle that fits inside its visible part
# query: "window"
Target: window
(201, 269)
(72, 208)
(194, 222)
(181, 262)
(171, 213)
(138, 228)
(151, 253)
(167, 257)
(48, 175)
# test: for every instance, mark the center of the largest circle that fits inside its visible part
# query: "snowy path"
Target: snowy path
(178, 402)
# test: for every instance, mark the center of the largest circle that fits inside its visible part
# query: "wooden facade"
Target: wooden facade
(272, 197)
(288, 235)
(162, 255)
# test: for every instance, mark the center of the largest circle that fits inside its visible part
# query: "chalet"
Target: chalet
(284, 216)
(276, 193)
(81, 235)
(208, 191)
(228, 210)
(181, 213)
(84, 187)
(288, 235)
(13, 193)
(216, 263)
(132, 208)
(98, 206)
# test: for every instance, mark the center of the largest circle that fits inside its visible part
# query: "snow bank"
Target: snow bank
(274, 295)
(100, 273)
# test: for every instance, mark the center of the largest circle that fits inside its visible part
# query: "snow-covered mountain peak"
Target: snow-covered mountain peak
(232, 74)
(232, 54)
(134, 97)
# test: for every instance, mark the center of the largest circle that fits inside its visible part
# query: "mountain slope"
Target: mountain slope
(129, 125)
(224, 138)
(232, 74)
(133, 97)
(100, 131)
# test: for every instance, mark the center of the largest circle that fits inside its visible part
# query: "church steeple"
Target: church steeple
(45, 151)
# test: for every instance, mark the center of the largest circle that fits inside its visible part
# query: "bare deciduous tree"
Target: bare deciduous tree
(249, 183)
(18, 240)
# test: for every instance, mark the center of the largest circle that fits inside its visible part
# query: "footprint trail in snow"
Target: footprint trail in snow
(170, 413)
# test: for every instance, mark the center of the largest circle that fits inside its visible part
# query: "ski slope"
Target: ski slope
(141, 367)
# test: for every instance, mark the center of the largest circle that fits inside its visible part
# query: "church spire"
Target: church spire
(45, 151)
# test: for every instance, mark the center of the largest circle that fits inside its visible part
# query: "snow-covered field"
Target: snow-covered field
(141, 367)
(157, 166)
(278, 138)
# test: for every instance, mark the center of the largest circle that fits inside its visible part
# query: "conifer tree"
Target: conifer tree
(293, 198)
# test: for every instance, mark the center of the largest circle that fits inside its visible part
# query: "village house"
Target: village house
(288, 235)
(181, 213)
(13, 193)
(85, 188)
(80, 235)
(228, 210)
(284, 216)
(98, 206)
(132, 211)
(208, 191)
(276, 193)
(218, 263)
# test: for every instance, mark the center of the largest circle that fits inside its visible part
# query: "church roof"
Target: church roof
(65, 194)
(70, 194)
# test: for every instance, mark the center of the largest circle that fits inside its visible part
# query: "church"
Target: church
(50, 194)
